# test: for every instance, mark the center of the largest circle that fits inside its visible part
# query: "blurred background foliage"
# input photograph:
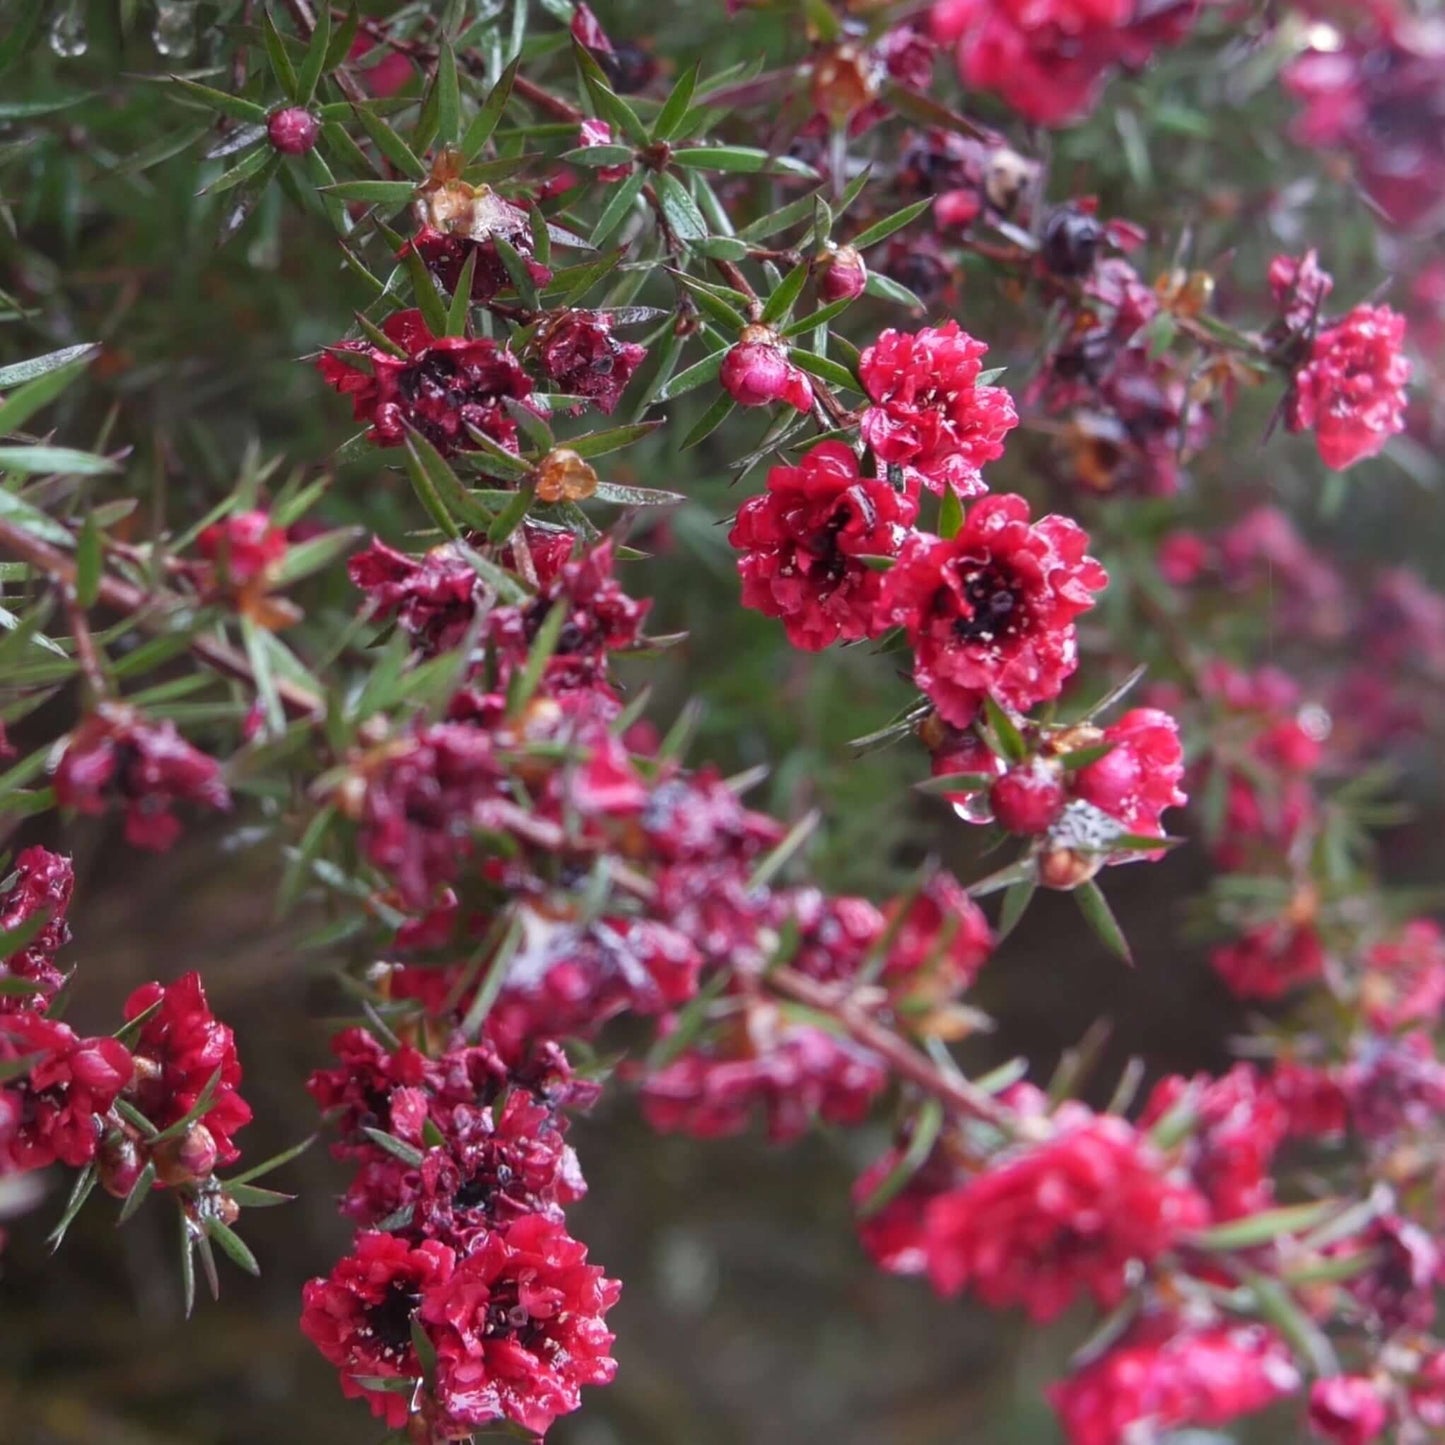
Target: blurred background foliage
(749, 1313)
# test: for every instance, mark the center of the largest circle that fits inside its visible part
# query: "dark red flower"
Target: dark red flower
(70, 1084)
(1315, 1105)
(360, 1316)
(1299, 285)
(1395, 1085)
(1270, 960)
(1139, 777)
(434, 597)
(1052, 1219)
(1398, 1289)
(1164, 1374)
(804, 540)
(992, 609)
(243, 546)
(1404, 981)
(842, 275)
(1239, 1125)
(1351, 390)
(895, 1233)
(1347, 1410)
(930, 415)
(438, 385)
(292, 130)
(578, 352)
(180, 1046)
(42, 884)
(518, 1327)
(119, 754)
(757, 372)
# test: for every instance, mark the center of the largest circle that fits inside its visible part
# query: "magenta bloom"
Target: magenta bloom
(929, 414)
(804, 540)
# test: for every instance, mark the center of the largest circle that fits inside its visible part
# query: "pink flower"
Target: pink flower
(992, 609)
(1050, 1220)
(757, 372)
(1347, 1410)
(804, 541)
(1351, 390)
(929, 414)
(43, 883)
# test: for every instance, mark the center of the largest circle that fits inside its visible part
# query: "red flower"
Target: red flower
(1164, 1374)
(43, 882)
(118, 753)
(70, 1084)
(1270, 960)
(518, 1327)
(757, 372)
(930, 415)
(1239, 1126)
(842, 274)
(1351, 390)
(992, 609)
(1139, 777)
(1299, 285)
(1049, 59)
(360, 1316)
(791, 1072)
(180, 1046)
(579, 353)
(440, 385)
(434, 597)
(1052, 1219)
(1028, 798)
(1347, 1410)
(895, 1235)
(941, 944)
(803, 541)
(424, 796)
(243, 546)
(1404, 980)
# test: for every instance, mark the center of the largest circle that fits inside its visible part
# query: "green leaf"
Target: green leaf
(525, 683)
(139, 1192)
(695, 376)
(314, 62)
(825, 369)
(927, 1126)
(616, 211)
(775, 861)
(709, 422)
(950, 513)
(1010, 741)
(88, 563)
(62, 461)
(461, 303)
(610, 106)
(479, 132)
(389, 143)
(392, 194)
(188, 1265)
(599, 443)
(743, 159)
(231, 105)
(496, 975)
(398, 1148)
(273, 1163)
(679, 209)
(881, 230)
(424, 292)
(1016, 899)
(280, 58)
(26, 400)
(887, 289)
(510, 517)
(595, 157)
(785, 295)
(251, 164)
(670, 117)
(448, 96)
(20, 372)
(85, 1181)
(1100, 917)
(249, 1196)
(624, 496)
(306, 558)
(517, 272)
(232, 1245)
(1266, 1227)
(427, 466)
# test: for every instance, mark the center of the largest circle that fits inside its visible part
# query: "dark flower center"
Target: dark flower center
(994, 608)
(390, 1318)
(508, 1318)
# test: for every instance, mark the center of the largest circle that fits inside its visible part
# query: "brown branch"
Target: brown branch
(122, 597)
(906, 1061)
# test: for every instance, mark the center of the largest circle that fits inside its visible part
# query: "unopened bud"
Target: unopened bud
(119, 1163)
(292, 131)
(841, 275)
(1064, 869)
(186, 1158)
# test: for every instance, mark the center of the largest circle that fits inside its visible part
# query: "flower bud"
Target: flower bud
(1028, 799)
(119, 1163)
(757, 372)
(186, 1158)
(292, 131)
(1064, 869)
(841, 275)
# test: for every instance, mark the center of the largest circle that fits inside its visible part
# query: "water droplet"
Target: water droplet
(974, 808)
(67, 31)
(174, 31)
